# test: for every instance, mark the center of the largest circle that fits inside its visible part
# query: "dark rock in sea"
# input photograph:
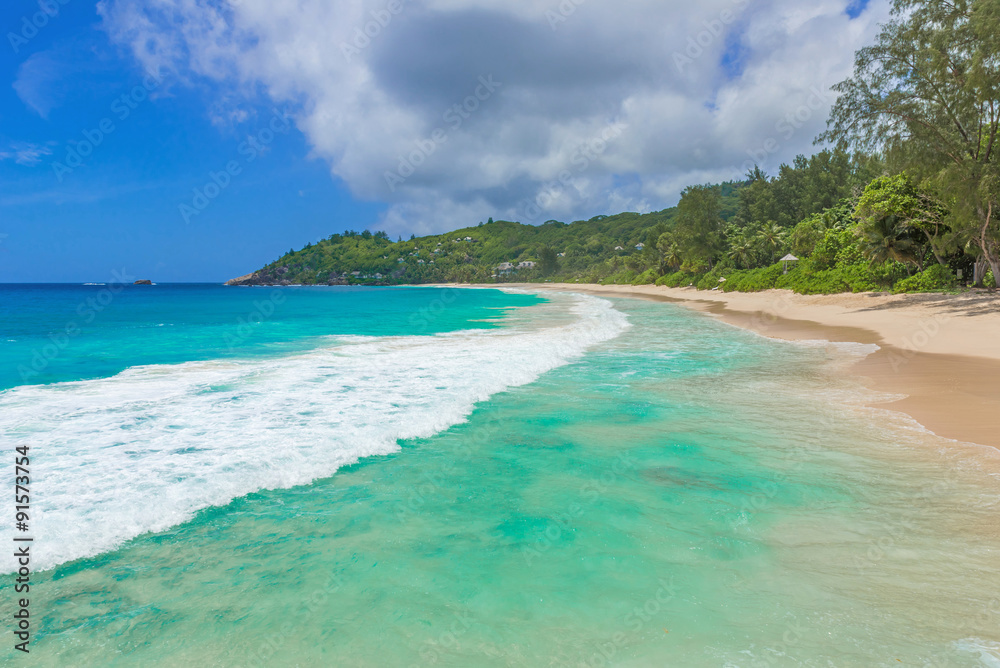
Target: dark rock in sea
(143, 282)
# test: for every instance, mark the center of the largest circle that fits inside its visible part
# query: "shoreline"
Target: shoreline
(942, 352)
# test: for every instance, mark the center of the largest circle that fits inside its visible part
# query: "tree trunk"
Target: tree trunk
(979, 273)
(989, 247)
(930, 242)
(995, 266)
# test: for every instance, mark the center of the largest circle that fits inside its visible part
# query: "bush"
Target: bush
(675, 280)
(646, 278)
(623, 277)
(753, 280)
(710, 280)
(937, 278)
(807, 279)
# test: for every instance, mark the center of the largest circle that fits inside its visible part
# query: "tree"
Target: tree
(927, 95)
(885, 238)
(699, 225)
(548, 261)
(741, 251)
(912, 208)
(770, 240)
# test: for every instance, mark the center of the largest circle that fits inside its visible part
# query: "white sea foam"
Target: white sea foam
(144, 450)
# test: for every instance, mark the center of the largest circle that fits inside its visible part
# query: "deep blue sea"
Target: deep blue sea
(473, 477)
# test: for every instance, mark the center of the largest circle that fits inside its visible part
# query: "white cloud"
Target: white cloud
(25, 153)
(698, 88)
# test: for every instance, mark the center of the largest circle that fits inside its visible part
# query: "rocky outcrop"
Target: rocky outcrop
(279, 276)
(144, 281)
(243, 280)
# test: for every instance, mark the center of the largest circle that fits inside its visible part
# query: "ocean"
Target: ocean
(473, 477)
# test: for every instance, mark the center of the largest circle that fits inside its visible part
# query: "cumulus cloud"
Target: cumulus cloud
(455, 110)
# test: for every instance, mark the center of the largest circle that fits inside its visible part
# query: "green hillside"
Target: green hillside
(584, 250)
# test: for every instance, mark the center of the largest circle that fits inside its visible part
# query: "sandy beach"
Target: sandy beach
(941, 351)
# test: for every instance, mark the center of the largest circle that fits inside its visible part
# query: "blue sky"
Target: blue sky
(524, 93)
(120, 208)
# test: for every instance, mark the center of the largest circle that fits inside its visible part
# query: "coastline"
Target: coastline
(940, 351)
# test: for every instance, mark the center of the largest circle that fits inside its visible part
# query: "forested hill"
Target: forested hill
(590, 249)
(713, 230)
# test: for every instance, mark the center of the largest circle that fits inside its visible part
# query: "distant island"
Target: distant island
(833, 222)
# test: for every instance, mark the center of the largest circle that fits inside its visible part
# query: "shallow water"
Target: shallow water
(677, 492)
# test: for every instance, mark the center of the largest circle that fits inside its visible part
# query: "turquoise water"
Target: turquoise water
(53, 333)
(582, 483)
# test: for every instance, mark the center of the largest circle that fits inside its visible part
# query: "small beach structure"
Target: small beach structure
(787, 260)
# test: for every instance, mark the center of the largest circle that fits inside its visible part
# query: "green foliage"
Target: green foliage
(647, 277)
(548, 260)
(698, 231)
(938, 278)
(677, 279)
(925, 96)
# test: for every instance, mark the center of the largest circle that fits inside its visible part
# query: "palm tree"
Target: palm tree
(884, 238)
(741, 251)
(672, 257)
(771, 238)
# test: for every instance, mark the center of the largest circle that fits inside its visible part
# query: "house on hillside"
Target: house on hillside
(619, 248)
(526, 265)
(504, 269)
(640, 246)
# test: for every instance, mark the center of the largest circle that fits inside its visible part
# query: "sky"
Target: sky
(197, 140)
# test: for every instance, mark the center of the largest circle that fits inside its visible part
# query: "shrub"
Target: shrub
(710, 280)
(623, 277)
(938, 278)
(647, 277)
(753, 280)
(675, 280)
